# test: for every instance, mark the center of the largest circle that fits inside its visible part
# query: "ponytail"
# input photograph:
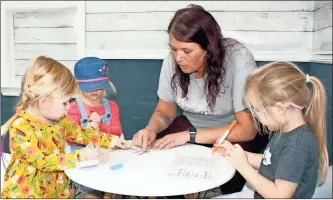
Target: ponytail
(316, 116)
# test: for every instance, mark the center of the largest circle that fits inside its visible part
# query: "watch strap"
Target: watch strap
(193, 132)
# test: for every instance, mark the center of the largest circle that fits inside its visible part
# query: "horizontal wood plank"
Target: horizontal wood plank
(55, 51)
(136, 40)
(22, 65)
(127, 40)
(49, 18)
(44, 35)
(151, 6)
(249, 21)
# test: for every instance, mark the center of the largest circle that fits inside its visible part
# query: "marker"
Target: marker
(117, 166)
(91, 146)
(225, 134)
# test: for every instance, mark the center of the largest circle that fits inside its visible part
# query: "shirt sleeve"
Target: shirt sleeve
(24, 141)
(115, 126)
(165, 91)
(291, 163)
(74, 113)
(77, 134)
(244, 64)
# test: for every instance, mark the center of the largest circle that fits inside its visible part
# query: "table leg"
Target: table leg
(190, 196)
(72, 192)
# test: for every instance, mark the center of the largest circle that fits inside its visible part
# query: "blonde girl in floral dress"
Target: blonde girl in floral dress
(38, 132)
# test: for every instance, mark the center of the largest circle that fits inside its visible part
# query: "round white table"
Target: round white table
(147, 174)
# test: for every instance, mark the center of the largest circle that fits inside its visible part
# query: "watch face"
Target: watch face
(192, 130)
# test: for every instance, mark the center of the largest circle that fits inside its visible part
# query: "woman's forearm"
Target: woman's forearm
(159, 122)
(244, 130)
(240, 133)
(163, 116)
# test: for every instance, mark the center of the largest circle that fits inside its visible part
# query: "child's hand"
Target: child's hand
(222, 148)
(121, 143)
(89, 153)
(94, 125)
(236, 154)
(95, 118)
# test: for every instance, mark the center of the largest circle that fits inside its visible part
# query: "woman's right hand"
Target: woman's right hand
(143, 138)
(89, 153)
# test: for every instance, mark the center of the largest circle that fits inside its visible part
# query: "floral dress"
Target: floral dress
(36, 169)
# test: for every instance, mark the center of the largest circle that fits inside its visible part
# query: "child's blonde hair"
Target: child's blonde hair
(285, 82)
(45, 77)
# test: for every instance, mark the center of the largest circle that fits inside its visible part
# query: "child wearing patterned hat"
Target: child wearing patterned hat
(92, 108)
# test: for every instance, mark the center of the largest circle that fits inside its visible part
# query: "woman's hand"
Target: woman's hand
(235, 152)
(123, 144)
(171, 140)
(144, 138)
(89, 153)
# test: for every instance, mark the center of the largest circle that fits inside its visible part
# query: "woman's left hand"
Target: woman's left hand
(122, 143)
(171, 140)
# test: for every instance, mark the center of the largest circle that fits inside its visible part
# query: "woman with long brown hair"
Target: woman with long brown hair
(204, 75)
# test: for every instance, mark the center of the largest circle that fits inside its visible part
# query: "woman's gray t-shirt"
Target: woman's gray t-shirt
(239, 63)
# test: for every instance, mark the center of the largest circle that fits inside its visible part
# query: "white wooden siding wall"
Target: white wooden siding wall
(49, 33)
(272, 30)
(322, 27)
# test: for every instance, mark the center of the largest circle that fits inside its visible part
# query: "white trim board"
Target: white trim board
(322, 57)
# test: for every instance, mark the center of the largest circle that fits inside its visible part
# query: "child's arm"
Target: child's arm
(115, 125)
(289, 170)
(254, 159)
(24, 141)
(79, 135)
(74, 113)
(265, 187)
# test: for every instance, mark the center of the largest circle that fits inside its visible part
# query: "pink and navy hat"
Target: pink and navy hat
(91, 74)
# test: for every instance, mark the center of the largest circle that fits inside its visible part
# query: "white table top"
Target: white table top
(146, 175)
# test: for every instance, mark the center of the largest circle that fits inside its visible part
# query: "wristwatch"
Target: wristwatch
(193, 132)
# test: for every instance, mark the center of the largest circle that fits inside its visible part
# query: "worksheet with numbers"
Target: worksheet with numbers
(194, 168)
